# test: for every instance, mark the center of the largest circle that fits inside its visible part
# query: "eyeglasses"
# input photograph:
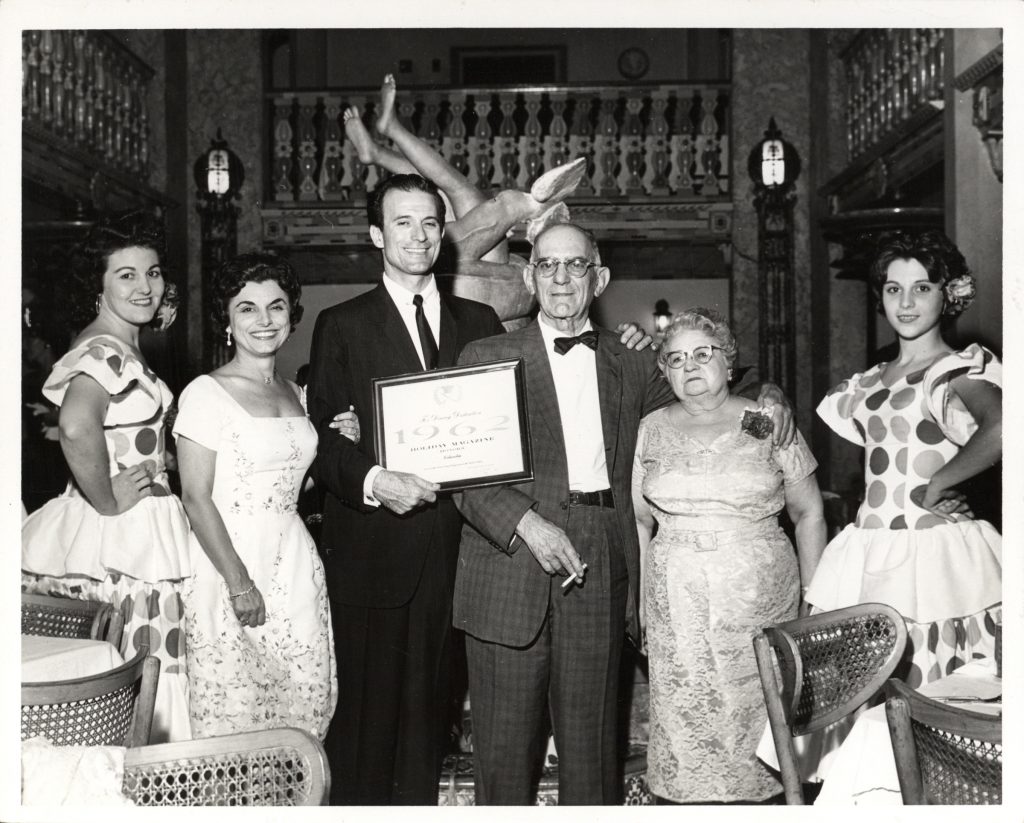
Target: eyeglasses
(701, 356)
(577, 267)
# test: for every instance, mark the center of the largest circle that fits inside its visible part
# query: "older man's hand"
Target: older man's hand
(550, 545)
(783, 424)
(402, 492)
(632, 336)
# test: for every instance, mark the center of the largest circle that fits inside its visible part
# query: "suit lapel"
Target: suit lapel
(394, 331)
(541, 385)
(609, 389)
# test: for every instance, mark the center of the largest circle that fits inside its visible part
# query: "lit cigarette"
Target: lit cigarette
(572, 577)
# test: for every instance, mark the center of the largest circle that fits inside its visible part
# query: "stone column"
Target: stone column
(225, 90)
(770, 78)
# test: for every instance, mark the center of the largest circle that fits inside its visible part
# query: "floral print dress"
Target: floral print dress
(282, 673)
(717, 570)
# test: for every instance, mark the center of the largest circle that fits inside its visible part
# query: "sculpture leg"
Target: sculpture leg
(487, 236)
(369, 151)
(482, 224)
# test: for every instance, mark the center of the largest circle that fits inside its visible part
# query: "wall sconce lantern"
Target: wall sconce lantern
(662, 316)
(774, 166)
(219, 175)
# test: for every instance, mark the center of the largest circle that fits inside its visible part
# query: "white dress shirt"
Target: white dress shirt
(579, 407)
(402, 298)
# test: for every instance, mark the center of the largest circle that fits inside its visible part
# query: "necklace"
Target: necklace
(266, 380)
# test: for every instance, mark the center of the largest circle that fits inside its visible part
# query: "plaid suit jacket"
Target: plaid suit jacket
(501, 592)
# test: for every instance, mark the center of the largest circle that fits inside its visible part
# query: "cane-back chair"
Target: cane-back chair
(114, 708)
(43, 614)
(818, 669)
(276, 767)
(945, 755)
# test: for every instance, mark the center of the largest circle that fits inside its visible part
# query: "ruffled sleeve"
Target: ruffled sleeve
(796, 460)
(837, 408)
(201, 413)
(976, 363)
(111, 364)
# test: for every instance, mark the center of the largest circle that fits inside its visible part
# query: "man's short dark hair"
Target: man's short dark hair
(400, 182)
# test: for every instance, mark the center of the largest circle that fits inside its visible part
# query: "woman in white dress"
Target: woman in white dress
(257, 617)
(929, 420)
(117, 534)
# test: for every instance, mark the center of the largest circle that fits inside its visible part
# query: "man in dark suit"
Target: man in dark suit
(536, 640)
(389, 540)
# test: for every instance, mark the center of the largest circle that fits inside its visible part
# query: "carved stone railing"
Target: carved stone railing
(84, 91)
(892, 75)
(642, 141)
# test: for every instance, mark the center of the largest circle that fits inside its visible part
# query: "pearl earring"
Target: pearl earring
(228, 330)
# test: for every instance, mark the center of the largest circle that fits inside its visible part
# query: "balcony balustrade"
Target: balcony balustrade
(658, 155)
(893, 78)
(87, 93)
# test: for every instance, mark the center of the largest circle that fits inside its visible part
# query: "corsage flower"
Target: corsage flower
(757, 423)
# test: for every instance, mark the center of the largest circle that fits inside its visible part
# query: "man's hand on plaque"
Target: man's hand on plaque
(402, 492)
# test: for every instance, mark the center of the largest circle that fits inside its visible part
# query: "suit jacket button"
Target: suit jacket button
(564, 505)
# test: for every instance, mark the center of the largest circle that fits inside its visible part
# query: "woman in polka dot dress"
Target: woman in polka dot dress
(117, 534)
(929, 420)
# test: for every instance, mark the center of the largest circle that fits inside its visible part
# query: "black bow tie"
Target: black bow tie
(588, 339)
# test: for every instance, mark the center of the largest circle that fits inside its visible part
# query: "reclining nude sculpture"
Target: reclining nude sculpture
(485, 269)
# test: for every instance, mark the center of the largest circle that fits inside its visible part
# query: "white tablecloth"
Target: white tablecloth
(857, 763)
(64, 658)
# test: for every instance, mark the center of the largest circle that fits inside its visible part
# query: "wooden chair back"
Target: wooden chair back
(275, 767)
(43, 614)
(945, 755)
(818, 669)
(114, 708)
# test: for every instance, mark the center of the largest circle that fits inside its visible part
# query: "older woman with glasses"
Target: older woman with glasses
(718, 568)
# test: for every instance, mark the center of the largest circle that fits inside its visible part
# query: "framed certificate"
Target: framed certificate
(462, 427)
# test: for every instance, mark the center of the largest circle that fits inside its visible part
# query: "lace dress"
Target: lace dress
(282, 673)
(135, 560)
(718, 569)
(944, 578)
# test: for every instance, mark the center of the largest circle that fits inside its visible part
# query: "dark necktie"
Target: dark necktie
(588, 339)
(427, 342)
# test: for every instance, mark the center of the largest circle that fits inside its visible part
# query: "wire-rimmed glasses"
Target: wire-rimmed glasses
(576, 266)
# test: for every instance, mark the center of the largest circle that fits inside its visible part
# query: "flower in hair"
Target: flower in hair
(960, 293)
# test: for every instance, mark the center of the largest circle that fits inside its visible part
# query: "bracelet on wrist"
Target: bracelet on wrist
(249, 590)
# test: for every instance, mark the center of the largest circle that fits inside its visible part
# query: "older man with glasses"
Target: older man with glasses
(548, 575)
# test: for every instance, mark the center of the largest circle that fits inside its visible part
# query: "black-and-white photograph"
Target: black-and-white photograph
(705, 503)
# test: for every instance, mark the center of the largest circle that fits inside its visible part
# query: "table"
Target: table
(63, 658)
(863, 771)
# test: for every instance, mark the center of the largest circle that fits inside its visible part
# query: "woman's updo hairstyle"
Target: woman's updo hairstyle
(253, 267)
(939, 257)
(91, 257)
